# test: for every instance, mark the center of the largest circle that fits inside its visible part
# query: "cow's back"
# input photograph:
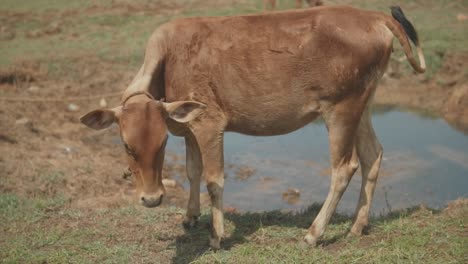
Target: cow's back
(261, 70)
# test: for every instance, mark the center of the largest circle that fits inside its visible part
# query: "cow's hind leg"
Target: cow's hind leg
(370, 155)
(342, 125)
(194, 171)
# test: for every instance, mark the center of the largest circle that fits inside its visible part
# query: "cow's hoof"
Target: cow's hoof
(302, 245)
(310, 240)
(353, 233)
(215, 243)
(190, 222)
(358, 230)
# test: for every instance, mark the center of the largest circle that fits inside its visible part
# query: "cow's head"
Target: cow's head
(143, 129)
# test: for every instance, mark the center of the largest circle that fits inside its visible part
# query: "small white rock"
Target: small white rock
(169, 183)
(72, 107)
(33, 89)
(22, 121)
(103, 103)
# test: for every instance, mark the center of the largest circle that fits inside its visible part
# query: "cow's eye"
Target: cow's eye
(130, 151)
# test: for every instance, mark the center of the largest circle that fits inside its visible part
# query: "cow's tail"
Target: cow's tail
(150, 77)
(402, 29)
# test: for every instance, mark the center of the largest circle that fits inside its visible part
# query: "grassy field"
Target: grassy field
(87, 47)
(47, 231)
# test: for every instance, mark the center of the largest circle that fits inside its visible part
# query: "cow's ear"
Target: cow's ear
(101, 118)
(183, 111)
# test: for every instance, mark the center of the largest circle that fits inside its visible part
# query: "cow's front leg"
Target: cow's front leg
(210, 142)
(215, 189)
(194, 171)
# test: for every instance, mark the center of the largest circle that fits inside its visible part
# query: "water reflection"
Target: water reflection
(425, 161)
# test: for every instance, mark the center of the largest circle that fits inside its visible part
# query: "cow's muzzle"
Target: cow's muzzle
(151, 201)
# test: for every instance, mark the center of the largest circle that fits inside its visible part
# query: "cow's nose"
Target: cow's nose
(151, 201)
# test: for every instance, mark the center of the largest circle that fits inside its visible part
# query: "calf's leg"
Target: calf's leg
(370, 155)
(210, 142)
(194, 171)
(344, 162)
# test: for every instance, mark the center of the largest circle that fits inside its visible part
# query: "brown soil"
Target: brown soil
(46, 151)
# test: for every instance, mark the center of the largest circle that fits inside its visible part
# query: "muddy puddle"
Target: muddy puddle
(425, 162)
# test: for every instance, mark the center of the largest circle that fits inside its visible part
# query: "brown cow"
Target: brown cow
(271, 4)
(263, 74)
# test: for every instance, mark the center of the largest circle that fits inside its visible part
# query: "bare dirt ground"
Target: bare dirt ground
(46, 151)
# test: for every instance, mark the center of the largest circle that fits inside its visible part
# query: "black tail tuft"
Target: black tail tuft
(398, 14)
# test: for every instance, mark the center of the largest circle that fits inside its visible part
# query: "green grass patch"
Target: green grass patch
(14, 208)
(43, 5)
(133, 234)
(421, 236)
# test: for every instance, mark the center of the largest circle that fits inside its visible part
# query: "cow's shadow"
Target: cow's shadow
(194, 242)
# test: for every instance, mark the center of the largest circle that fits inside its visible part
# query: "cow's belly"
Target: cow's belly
(255, 128)
(264, 121)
